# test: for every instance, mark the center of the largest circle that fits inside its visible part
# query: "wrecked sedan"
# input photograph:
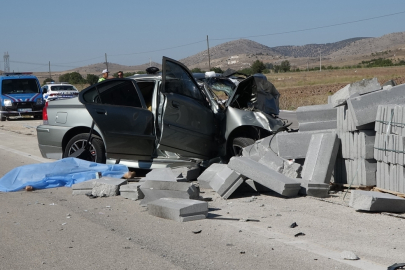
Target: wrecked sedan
(152, 120)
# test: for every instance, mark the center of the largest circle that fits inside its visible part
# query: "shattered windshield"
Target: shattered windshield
(222, 87)
(18, 86)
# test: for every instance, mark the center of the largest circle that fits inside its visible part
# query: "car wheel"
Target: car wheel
(2, 118)
(97, 149)
(239, 143)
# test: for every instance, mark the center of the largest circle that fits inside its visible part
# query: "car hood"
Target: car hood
(256, 92)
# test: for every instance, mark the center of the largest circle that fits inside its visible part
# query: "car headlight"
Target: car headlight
(39, 101)
(7, 102)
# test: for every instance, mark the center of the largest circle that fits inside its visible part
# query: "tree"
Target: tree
(258, 66)
(269, 65)
(47, 80)
(197, 70)
(72, 78)
(285, 66)
(217, 70)
(92, 79)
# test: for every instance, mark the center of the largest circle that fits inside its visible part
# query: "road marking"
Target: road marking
(24, 154)
(309, 247)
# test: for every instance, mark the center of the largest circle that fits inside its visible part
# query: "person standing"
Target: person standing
(120, 74)
(104, 75)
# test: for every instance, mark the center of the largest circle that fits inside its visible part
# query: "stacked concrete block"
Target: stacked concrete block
(131, 191)
(389, 148)
(107, 186)
(154, 190)
(317, 117)
(357, 88)
(320, 158)
(265, 176)
(345, 120)
(226, 181)
(364, 108)
(295, 145)
(180, 210)
(376, 202)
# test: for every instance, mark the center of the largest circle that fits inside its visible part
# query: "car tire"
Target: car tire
(239, 143)
(2, 118)
(97, 148)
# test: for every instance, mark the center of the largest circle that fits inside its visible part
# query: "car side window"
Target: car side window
(179, 81)
(114, 92)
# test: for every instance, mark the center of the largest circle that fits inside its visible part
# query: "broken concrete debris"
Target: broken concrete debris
(107, 186)
(178, 209)
(349, 255)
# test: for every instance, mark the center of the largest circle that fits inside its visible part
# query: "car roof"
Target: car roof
(17, 76)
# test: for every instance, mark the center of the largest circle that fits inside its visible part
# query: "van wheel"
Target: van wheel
(239, 143)
(2, 118)
(97, 149)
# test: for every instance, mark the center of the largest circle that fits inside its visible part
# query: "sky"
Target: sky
(75, 33)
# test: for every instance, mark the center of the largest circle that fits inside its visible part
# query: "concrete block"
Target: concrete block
(252, 151)
(361, 87)
(312, 189)
(294, 145)
(131, 191)
(232, 188)
(265, 176)
(188, 173)
(256, 186)
(364, 108)
(273, 161)
(107, 186)
(165, 174)
(224, 180)
(266, 144)
(316, 113)
(177, 209)
(376, 202)
(205, 178)
(154, 190)
(83, 188)
(321, 125)
(321, 157)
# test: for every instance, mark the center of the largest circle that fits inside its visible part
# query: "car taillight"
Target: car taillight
(45, 114)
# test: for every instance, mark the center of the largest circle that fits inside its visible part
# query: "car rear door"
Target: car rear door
(188, 123)
(118, 109)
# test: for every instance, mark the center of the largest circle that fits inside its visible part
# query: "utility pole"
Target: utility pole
(50, 76)
(106, 63)
(6, 59)
(320, 60)
(209, 58)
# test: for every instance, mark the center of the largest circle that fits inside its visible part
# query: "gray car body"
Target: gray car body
(172, 145)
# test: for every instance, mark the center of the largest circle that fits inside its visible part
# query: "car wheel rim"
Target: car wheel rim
(80, 144)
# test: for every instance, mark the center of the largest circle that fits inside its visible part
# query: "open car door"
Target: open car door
(118, 109)
(187, 122)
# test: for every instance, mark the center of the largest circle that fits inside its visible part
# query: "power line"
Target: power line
(314, 28)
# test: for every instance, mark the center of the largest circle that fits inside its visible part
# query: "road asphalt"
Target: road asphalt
(52, 229)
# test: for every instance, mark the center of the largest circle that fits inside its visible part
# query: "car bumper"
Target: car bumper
(50, 140)
(7, 111)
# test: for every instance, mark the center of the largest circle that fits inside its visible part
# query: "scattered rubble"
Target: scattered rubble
(107, 186)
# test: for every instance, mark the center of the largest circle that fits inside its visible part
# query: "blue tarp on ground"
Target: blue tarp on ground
(64, 172)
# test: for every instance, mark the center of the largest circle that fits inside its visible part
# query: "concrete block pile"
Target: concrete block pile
(389, 147)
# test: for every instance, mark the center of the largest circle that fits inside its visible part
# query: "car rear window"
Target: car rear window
(62, 87)
(16, 86)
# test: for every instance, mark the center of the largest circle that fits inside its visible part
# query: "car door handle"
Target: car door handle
(101, 112)
(175, 104)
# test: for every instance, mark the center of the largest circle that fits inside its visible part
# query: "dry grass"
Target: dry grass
(313, 87)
